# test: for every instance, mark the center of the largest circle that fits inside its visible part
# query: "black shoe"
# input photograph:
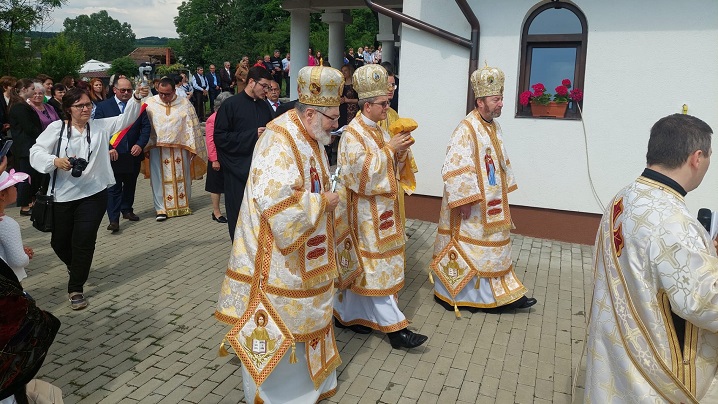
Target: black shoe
(523, 303)
(220, 219)
(357, 328)
(26, 212)
(114, 227)
(443, 304)
(406, 339)
(161, 217)
(130, 216)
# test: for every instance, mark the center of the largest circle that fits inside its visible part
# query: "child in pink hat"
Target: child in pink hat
(12, 251)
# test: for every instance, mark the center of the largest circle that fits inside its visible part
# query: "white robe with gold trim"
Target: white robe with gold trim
(284, 249)
(652, 259)
(472, 263)
(178, 154)
(369, 215)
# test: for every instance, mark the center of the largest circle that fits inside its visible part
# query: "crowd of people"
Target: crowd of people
(332, 242)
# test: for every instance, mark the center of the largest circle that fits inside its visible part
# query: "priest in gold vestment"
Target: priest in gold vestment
(369, 217)
(653, 324)
(177, 150)
(475, 221)
(278, 288)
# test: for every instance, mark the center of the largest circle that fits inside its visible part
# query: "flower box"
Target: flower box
(553, 109)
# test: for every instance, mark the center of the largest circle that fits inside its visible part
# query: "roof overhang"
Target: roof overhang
(317, 6)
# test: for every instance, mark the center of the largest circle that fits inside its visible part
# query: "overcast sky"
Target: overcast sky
(147, 17)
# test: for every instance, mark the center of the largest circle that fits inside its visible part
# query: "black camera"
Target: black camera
(78, 165)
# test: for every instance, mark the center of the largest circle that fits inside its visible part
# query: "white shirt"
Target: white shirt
(11, 250)
(200, 85)
(98, 175)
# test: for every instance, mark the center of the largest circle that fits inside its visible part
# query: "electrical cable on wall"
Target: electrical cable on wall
(601, 206)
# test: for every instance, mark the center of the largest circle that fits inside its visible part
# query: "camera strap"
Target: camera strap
(57, 153)
(89, 141)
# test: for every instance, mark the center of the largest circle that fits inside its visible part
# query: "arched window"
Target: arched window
(553, 48)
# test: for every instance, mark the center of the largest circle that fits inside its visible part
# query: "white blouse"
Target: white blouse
(98, 175)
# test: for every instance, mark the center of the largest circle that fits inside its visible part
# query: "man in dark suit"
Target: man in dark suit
(214, 84)
(126, 157)
(273, 97)
(226, 78)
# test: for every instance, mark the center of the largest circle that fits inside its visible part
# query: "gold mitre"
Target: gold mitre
(320, 86)
(487, 81)
(371, 81)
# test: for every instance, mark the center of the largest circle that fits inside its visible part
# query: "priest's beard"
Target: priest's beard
(322, 136)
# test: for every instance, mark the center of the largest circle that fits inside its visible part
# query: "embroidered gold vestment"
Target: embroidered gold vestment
(653, 261)
(368, 213)
(282, 261)
(176, 125)
(476, 171)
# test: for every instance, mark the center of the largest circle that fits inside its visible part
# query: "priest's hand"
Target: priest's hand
(401, 141)
(465, 211)
(332, 200)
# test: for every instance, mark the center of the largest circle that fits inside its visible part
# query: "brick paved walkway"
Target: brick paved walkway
(149, 336)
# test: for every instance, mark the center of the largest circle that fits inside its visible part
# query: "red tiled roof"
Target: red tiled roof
(154, 55)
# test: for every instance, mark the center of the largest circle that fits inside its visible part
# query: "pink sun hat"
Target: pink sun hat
(8, 179)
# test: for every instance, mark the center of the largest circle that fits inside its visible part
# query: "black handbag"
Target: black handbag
(42, 210)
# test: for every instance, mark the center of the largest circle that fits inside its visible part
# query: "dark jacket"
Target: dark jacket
(139, 133)
(25, 127)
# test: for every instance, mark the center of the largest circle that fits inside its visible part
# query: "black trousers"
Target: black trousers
(198, 102)
(212, 95)
(233, 194)
(74, 235)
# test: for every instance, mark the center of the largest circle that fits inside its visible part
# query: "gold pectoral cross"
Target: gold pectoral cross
(167, 109)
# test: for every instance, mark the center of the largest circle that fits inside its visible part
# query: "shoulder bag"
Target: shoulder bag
(42, 210)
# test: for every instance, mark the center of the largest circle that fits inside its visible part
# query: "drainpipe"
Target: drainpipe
(472, 44)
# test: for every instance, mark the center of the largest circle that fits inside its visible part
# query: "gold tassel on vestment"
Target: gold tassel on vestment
(363, 281)
(257, 399)
(431, 277)
(293, 355)
(222, 350)
(478, 283)
(456, 311)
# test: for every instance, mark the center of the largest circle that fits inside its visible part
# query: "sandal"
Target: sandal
(77, 301)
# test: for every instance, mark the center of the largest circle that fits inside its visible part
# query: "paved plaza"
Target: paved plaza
(149, 335)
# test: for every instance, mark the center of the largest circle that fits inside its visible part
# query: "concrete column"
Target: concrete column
(337, 21)
(388, 38)
(298, 45)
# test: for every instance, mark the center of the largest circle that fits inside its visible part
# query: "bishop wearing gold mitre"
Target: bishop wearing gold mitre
(474, 235)
(370, 161)
(278, 288)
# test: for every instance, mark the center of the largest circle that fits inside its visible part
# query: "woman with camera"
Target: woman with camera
(76, 154)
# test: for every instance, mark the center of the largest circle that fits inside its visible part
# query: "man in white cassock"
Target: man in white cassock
(472, 267)
(278, 289)
(370, 232)
(653, 328)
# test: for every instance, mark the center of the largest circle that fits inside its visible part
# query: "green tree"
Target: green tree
(100, 36)
(363, 29)
(61, 58)
(17, 17)
(124, 65)
(163, 70)
(212, 32)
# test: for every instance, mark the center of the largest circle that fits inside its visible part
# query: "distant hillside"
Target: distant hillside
(150, 41)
